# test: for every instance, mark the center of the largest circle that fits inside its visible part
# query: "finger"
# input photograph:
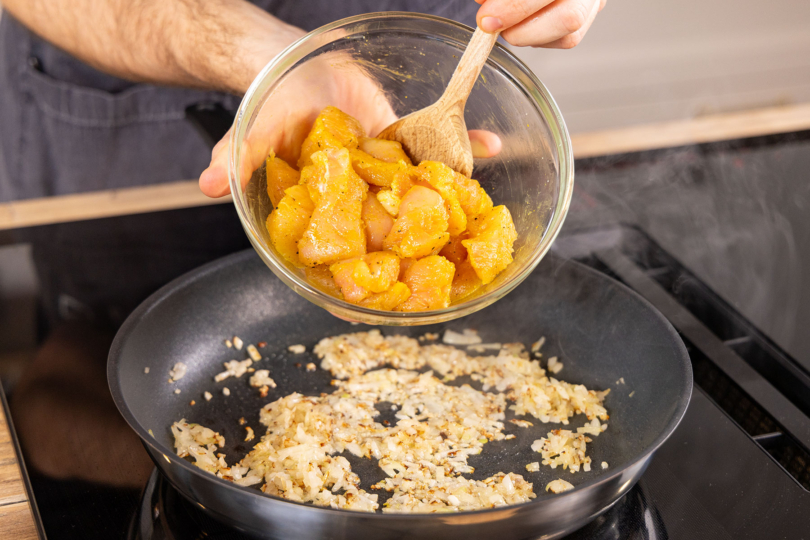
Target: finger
(484, 144)
(214, 179)
(572, 40)
(555, 21)
(223, 141)
(497, 15)
(602, 4)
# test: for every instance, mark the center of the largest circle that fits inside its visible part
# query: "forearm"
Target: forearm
(218, 44)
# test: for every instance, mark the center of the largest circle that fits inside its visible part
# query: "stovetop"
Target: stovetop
(165, 515)
(736, 467)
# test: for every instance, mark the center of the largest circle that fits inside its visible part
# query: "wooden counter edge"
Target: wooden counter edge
(718, 127)
(185, 194)
(17, 522)
(16, 513)
(101, 204)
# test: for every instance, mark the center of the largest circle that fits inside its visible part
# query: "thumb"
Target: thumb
(214, 179)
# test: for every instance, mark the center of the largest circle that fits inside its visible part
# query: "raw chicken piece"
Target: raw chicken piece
(315, 176)
(335, 231)
(377, 222)
(280, 176)
(372, 273)
(404, 264)
(465, 282)
(442, 178)
(389, 299)
(421, 226)
(343, 274)
(287, 223)
(471, 196)
(389, 201)
(402, 183)
(388, 151)
(454, 251)
(429, 280)
(490, 247)
(332, 129)
(321, 277)
(373, 170)
(405, 180)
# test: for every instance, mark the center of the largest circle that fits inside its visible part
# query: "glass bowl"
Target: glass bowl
(410, 58)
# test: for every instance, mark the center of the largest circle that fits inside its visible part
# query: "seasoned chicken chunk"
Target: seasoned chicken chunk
(388, 151)
(490, 247)
(287, 223)
(372, 273)
(454, 251)
(465, 282)
(429, 280)
(377, 221)
(280, 176)
(335, 231)
(332, 129)
(373, 170)
(443, 179)
(321, 277)
(388, 300)
(404, 264)
(471, 196)
(421, 225)
(402, 183)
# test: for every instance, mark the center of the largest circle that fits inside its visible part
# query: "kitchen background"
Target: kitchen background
(647, 62)
(733, 213)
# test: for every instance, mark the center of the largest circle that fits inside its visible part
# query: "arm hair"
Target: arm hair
(212, 44)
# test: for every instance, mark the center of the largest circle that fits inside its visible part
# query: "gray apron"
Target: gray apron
(68, 128)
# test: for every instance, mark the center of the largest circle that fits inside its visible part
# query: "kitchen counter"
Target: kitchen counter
(16, 512)
(16, 518)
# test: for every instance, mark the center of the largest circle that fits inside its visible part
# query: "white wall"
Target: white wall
(653, 60)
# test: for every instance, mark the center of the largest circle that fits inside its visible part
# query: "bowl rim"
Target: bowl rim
(282, 63)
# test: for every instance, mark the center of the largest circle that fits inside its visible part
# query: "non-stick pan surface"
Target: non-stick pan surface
(601, 331)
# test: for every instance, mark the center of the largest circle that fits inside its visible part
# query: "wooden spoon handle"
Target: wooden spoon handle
(468, 69)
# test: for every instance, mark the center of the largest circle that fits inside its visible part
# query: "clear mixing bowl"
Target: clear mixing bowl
(410, 58)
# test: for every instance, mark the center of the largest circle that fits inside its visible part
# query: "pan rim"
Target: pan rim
(185, 280)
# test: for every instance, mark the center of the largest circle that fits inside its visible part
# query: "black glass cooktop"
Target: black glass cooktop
(737, 466)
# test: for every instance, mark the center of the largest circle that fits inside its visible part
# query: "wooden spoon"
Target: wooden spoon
(438, 132)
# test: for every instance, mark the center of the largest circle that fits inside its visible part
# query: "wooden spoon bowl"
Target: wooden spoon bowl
(438, 132)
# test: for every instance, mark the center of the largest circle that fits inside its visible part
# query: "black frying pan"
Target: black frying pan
(600, 330)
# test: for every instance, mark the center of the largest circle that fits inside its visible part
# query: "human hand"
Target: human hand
(553, 24)
(283, 129)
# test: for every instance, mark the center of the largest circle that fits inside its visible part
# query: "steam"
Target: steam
(738, 219)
